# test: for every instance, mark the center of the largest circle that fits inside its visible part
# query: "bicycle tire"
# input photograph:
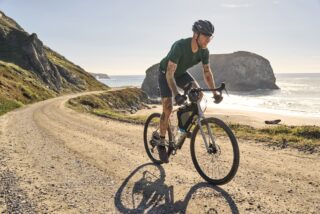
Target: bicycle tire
(235, 151)
(146, 138)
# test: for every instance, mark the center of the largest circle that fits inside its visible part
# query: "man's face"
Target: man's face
(204, 40)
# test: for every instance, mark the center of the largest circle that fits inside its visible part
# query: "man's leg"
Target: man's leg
(166, 111)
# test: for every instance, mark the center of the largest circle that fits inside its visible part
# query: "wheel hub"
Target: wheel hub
(213, 149)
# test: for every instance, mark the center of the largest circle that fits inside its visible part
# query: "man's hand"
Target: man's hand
(217, 98)
(179, 99)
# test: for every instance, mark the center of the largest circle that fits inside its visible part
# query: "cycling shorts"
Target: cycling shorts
(181, 81)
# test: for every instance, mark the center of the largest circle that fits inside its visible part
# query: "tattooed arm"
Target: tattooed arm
(170, 77)
(208, 77)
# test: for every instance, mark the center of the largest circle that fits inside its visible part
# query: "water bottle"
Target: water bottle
(181, 135)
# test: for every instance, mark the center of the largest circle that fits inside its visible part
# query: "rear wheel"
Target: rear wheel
(219, 164)
(152, 130)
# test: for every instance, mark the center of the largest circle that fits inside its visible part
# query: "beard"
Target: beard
(203, 46)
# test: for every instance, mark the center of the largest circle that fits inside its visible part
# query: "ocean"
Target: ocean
(299, 94)
(123, 80)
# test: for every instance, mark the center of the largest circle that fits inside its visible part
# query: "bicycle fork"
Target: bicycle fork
(206, 143)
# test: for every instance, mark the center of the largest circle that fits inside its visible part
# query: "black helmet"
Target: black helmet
(203, 26)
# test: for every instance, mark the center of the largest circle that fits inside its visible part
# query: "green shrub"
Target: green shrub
(310, 132)
(8, 105)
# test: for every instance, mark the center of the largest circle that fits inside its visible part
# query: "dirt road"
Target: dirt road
(56, 160)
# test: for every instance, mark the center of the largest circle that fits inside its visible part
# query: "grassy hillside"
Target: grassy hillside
(30, 71)
(18, 87)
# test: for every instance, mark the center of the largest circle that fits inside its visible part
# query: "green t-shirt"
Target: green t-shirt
(181, 54)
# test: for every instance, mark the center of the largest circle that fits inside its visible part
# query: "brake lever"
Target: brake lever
(226, 91)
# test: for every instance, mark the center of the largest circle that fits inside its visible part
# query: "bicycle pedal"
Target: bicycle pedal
(171, 148)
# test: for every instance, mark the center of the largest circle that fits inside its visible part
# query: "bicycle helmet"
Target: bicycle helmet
(203, 26)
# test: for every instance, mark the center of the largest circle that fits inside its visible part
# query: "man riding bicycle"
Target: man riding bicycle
(184, 54)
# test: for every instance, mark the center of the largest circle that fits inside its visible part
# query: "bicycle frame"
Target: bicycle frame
(200, 117)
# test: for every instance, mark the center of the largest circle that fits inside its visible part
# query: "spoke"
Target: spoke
(212, 161)
(219, 169)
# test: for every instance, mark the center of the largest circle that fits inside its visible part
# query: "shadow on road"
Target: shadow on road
(145, 191)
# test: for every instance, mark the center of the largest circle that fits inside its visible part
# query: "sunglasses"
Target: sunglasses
(207, 36)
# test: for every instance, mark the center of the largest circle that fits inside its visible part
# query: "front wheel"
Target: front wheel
(216, 164)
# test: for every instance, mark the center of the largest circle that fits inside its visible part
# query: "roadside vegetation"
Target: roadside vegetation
(19, 87)
(305, 138)
(120, 105)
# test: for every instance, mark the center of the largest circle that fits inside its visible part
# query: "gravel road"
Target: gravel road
(56, 160)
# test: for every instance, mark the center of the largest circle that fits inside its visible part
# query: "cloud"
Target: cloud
(235, 5)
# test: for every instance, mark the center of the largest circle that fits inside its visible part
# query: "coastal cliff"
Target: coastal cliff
(241, 71)
(31, 71)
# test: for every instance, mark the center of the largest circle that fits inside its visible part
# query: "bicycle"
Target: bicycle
(213, 144)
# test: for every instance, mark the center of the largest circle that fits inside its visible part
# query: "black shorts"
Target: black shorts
(181, 81)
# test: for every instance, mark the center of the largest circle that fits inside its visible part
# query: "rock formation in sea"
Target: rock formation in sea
(100, 75)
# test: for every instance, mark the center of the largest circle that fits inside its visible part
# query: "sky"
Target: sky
(125, 37)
